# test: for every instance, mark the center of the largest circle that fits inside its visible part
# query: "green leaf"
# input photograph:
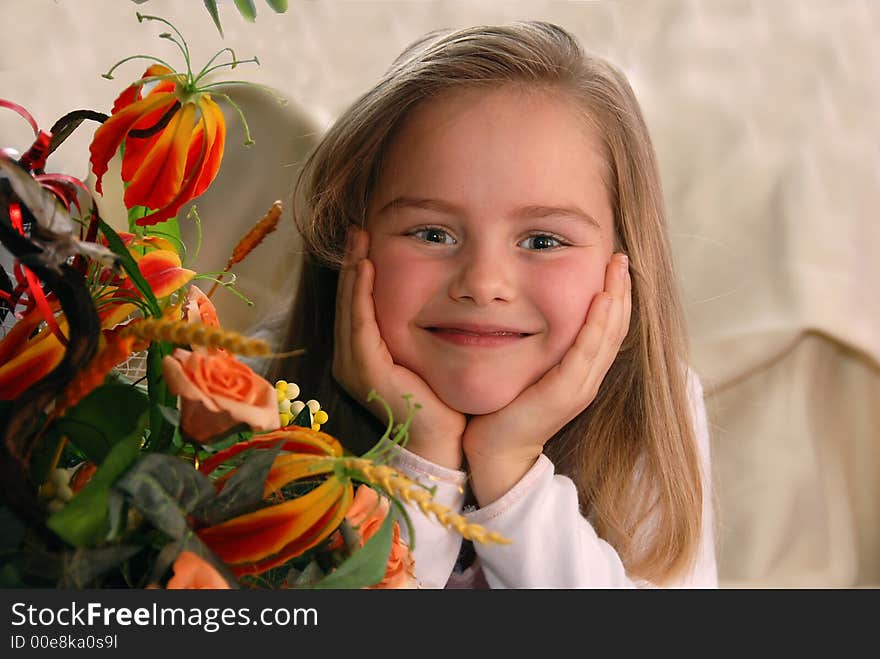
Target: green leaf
(108, 415)
(83, 520)
(243, 492)
(169, 229)
(44, 454)
(161, 430)
(166, 489)
(82, 567)
(304, 418)
(211, 6)
(279, 6)
(131, 267)
(366, 566)
(247, 9)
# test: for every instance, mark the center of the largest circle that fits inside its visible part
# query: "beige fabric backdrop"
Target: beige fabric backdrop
(764, 115)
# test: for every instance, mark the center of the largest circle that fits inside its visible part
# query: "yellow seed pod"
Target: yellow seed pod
(320, 417)
(281, 395)
(285, 419)
(281, 384)
(316, 427)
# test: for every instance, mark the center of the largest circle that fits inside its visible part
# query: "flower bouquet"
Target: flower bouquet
(192, 471)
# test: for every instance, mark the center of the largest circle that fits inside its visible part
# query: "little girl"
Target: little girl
(495, 207)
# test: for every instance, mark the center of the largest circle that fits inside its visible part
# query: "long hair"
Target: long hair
(632, 452)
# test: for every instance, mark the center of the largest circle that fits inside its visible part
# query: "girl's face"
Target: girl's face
(490, 229)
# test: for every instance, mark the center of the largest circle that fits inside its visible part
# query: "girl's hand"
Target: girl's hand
(361, 362)
(501, 447)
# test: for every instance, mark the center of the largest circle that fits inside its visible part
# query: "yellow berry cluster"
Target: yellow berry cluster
(289, 407)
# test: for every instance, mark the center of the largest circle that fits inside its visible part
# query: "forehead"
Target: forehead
(502, 146)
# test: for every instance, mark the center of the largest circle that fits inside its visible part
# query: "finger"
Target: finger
(616, 275)
(627, 306)
(355, 250)
(344, 288)
(366, 342)
(577, 362)
(615, 284)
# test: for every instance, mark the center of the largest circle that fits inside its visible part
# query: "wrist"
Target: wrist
(492, 477)
(437, 451)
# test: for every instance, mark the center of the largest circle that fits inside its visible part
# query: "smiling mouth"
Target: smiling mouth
(477, 337)
(457, 330)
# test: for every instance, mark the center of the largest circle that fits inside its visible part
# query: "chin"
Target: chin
(472, 400)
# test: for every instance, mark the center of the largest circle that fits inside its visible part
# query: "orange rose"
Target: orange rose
(198, 308)
(218, 392)
(191, 571)
(367, 513)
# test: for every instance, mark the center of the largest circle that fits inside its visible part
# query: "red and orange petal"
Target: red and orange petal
(160, 173)
(268, 531)
(320, 531)
(293, 439)
(204, 153)
(16, 339)
(215, 128)
(33, 362)
(133, 93)
(291, 467)
(112, 132)
(163, 271)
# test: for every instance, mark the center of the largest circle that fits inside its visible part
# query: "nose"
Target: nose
(483, 275)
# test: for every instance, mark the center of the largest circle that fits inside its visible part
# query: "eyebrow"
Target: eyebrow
(526, 212)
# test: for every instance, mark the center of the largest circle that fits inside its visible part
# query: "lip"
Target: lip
(482, 336)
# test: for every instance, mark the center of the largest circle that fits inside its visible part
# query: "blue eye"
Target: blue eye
(541, 241)
(434, 235)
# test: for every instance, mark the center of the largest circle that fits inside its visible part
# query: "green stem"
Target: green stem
(248, 83)
(194, 213)
(247, 133)
(211, 61)
(232, 64)
(109, 74)
(142, 17)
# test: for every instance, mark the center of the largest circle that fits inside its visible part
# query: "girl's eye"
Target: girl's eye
(433, 235)
(541, 241)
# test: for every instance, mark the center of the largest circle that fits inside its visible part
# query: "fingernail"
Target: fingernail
(624, 264)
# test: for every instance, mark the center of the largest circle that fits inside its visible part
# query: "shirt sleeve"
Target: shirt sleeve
(554, 546)
(436, 547)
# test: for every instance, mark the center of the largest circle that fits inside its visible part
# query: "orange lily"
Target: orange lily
(270, 536)
(174, 135)
(174, 138)
(26, 359)
(163, 271)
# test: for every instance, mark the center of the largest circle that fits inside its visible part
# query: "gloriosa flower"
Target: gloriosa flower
(258, 541)
(173, 135)
(26, 356)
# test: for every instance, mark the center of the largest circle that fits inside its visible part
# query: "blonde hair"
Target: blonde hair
(632, 452)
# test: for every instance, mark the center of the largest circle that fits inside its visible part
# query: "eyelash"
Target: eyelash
(561, 242)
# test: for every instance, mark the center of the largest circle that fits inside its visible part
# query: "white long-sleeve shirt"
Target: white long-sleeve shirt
(553, 545)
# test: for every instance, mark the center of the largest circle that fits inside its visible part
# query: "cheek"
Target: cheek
(402, 287)
(565, 300)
